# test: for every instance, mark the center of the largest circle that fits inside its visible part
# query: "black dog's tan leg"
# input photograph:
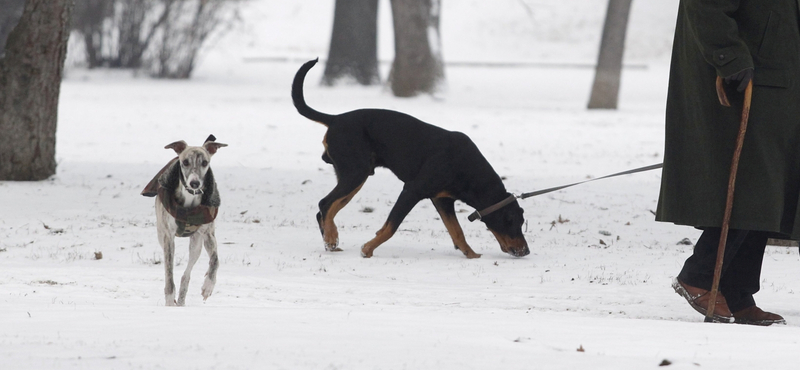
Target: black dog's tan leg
(446, 209)
(428, 182)
(404, 204)
(381, 236)
(195, 246)
(213, 264)
(329, 206)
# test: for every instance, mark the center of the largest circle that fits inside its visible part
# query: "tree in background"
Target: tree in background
(417, 66)
(353, 53)
(162, 36)
(30, 80)
(117, 33)
(187, 26)
(87, 18)
(605, 90)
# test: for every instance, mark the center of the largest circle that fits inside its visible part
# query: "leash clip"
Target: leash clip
(477, 214)
(474, 216)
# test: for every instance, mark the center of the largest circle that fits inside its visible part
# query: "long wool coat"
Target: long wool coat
(720, 38)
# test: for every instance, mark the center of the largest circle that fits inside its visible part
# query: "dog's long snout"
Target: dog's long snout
(520, 252)
(517, 247)
(194, 184)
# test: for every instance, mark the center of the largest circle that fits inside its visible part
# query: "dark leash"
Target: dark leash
(477, 215)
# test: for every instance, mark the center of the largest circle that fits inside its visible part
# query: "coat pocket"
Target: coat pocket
(771, 77)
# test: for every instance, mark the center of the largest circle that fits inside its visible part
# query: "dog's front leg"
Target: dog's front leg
(168, 245)
(213, 263)
(446, 209)
(350, 182)
(195, 244)
(406, 202)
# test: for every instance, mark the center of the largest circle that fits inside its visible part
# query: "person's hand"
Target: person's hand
(742, 78)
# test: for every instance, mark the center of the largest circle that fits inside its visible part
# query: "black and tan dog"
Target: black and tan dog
(433, 163)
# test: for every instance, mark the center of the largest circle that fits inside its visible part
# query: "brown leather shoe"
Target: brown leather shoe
(755, 316)
(699, 299)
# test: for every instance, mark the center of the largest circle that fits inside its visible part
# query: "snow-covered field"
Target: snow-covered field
(594, 293)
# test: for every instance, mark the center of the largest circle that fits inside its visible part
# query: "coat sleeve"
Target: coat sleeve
(717, 34)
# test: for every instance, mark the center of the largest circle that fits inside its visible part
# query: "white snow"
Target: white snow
(282, 302)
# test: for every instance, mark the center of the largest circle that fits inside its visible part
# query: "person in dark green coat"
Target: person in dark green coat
(738, 40)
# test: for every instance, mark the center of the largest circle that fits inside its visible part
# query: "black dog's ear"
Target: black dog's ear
(211, 138)
(212, 147)
(178, 146)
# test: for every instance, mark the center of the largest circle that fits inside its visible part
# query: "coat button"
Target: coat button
(722, 57)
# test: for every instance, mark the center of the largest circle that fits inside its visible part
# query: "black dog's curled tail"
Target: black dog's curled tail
(300, 102)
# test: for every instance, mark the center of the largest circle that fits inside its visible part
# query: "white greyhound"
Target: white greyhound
(187, 202)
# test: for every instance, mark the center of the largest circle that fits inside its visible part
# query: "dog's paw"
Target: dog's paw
(366, 253)
(473, 255)
(208, 288)
(333, 247)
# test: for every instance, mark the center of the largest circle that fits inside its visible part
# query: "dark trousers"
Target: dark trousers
(741, 267)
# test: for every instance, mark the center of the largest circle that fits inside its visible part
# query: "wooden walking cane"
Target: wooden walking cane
(726, 218)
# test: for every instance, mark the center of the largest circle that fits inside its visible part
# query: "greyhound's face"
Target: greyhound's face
(506, 225)
(194, 165)
(194, 161)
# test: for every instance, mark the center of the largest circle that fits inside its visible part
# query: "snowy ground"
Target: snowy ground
(598, 277)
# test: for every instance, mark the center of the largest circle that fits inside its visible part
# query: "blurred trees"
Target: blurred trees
(88, 18)
(30, 80)
(605, 90)
(161, 36)
(353, 53)
(186, 27)
(113, 31)
(418, 66)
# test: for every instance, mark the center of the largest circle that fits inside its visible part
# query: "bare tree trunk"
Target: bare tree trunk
(30, 80)
(354, 43)
(10, 12)
(417, 66)
(605, 91)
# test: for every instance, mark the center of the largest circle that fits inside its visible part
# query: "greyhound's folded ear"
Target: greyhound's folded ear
(211, 138)
(212, 147)
(178, 146)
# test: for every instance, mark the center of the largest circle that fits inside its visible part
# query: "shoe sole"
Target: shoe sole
(688, 297)
(759, 322)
